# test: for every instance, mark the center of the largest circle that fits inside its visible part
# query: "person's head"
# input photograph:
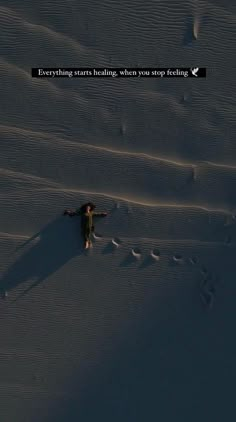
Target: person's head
(89, 206)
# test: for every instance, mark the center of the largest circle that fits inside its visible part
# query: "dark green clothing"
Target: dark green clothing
(87, 222)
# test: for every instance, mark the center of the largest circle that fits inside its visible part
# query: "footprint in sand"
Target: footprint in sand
(136, 253)
(204, 270)
(4, 294)
(228, 240)
(194, 173)
(229, 220)
(208, 291)
(178, 258)
(196, 25)
(155, 254)
(185, 98)
(116, 242)
(97, 236)
(208, 297)
(193, 260)
(123, 129)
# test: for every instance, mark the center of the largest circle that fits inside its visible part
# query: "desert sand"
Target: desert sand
(141, 327)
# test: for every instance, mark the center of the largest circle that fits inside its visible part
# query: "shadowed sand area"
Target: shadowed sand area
(140, 327)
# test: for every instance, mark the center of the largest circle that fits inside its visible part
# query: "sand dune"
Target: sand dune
(132, 176)
(140, 327)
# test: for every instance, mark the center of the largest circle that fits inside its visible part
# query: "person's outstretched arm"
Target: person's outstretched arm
(100, 214)
(71, 213)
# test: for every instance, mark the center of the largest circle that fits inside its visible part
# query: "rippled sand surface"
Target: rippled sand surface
(141, 327)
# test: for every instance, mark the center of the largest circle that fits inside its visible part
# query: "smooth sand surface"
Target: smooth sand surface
(141, 327)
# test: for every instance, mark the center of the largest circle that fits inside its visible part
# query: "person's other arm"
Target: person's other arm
(72, 213)
(100, 214)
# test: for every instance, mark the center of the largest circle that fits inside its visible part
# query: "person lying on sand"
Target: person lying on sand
(87, 213)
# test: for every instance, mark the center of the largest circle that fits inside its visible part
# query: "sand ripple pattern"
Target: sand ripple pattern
(108, 335)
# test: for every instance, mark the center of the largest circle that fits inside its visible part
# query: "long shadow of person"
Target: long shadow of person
(43, 254)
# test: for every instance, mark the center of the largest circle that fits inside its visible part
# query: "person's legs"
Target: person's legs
(87, 238)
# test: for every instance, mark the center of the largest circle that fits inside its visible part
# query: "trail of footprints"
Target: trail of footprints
(208, 283)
